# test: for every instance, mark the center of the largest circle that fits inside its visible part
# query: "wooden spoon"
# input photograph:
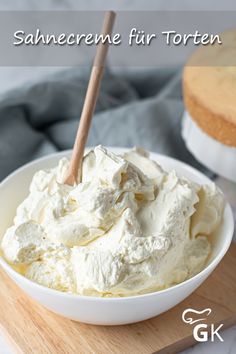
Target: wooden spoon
(75, 169)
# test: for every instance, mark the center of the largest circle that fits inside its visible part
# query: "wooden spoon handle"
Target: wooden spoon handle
(75, 168)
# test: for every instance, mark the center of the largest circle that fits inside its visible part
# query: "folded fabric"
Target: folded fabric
(136, 108)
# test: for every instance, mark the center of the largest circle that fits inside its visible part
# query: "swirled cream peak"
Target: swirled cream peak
(129, 227)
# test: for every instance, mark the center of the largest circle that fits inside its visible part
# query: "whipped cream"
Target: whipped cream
(128, 228)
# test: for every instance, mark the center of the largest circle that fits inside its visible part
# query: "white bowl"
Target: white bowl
(106, 311)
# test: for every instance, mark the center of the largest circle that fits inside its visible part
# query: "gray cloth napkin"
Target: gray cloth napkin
(139, 108)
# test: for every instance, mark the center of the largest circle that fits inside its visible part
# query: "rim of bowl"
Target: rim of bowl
(5, 265)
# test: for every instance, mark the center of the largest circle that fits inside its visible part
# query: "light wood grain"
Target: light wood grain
(34, 329)
(74, 173)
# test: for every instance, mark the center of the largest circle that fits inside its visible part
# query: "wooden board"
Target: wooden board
(33, 329)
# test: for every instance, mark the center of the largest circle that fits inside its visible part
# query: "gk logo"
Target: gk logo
(202, 331)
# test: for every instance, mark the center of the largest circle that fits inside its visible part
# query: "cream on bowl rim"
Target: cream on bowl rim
(228, 217)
